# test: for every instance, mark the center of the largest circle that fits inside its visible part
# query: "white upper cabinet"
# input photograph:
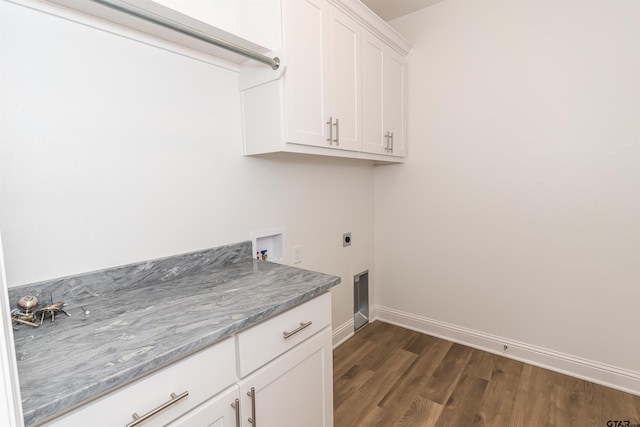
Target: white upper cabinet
(383, 98)
(373, 140)
(320, 88)
(393, 101)
(342, 89)
(306, 92)
(344, 80)
(291, 105)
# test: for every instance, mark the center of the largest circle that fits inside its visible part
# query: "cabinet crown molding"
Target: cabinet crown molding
(372, 22)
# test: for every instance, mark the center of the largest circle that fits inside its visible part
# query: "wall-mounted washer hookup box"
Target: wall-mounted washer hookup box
(273, 241)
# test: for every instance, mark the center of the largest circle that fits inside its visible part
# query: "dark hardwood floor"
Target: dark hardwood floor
(388, 376)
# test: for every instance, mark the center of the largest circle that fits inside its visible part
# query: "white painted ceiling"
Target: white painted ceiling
(391, 9)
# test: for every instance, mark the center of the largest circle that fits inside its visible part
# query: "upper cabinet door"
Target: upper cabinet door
(394, 101)
(383, 98)
(344, 80)
(373, 132)
(306, 97)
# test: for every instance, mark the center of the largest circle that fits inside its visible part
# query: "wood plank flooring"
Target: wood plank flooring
(386, 376)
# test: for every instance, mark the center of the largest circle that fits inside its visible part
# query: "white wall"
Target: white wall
(517, 214)
(114, 151)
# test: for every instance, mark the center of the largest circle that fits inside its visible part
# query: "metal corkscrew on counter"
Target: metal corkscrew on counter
(28, 313)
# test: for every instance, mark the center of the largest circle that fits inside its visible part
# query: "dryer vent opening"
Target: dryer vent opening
(360, 300)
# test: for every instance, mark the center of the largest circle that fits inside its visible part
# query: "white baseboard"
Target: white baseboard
(599, 373)
(342, 333)
(345, 331)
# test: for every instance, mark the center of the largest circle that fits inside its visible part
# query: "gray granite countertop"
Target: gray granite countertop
(145, 316)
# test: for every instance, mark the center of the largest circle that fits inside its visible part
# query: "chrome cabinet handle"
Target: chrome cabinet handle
(330, 123)
(252, 395)
(337, 140)
(236, 405)
(387, 144)
(137, 419)
(296, 330)
(391, 142)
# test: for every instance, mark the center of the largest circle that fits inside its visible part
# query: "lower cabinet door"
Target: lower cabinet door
(293, 390)
(219, 411)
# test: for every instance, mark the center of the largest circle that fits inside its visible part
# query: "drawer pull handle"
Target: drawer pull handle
(296, 330)
(236, 405)
(137, 419)
(252, 395)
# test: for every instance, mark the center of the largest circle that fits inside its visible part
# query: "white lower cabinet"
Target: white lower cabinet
(285, 365)
(221, 411)
(266, 341)
(163, 396)
(294, 390)
(275, 374)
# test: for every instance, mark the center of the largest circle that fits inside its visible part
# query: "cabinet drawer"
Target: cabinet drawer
(202, 374)
(266, 341)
